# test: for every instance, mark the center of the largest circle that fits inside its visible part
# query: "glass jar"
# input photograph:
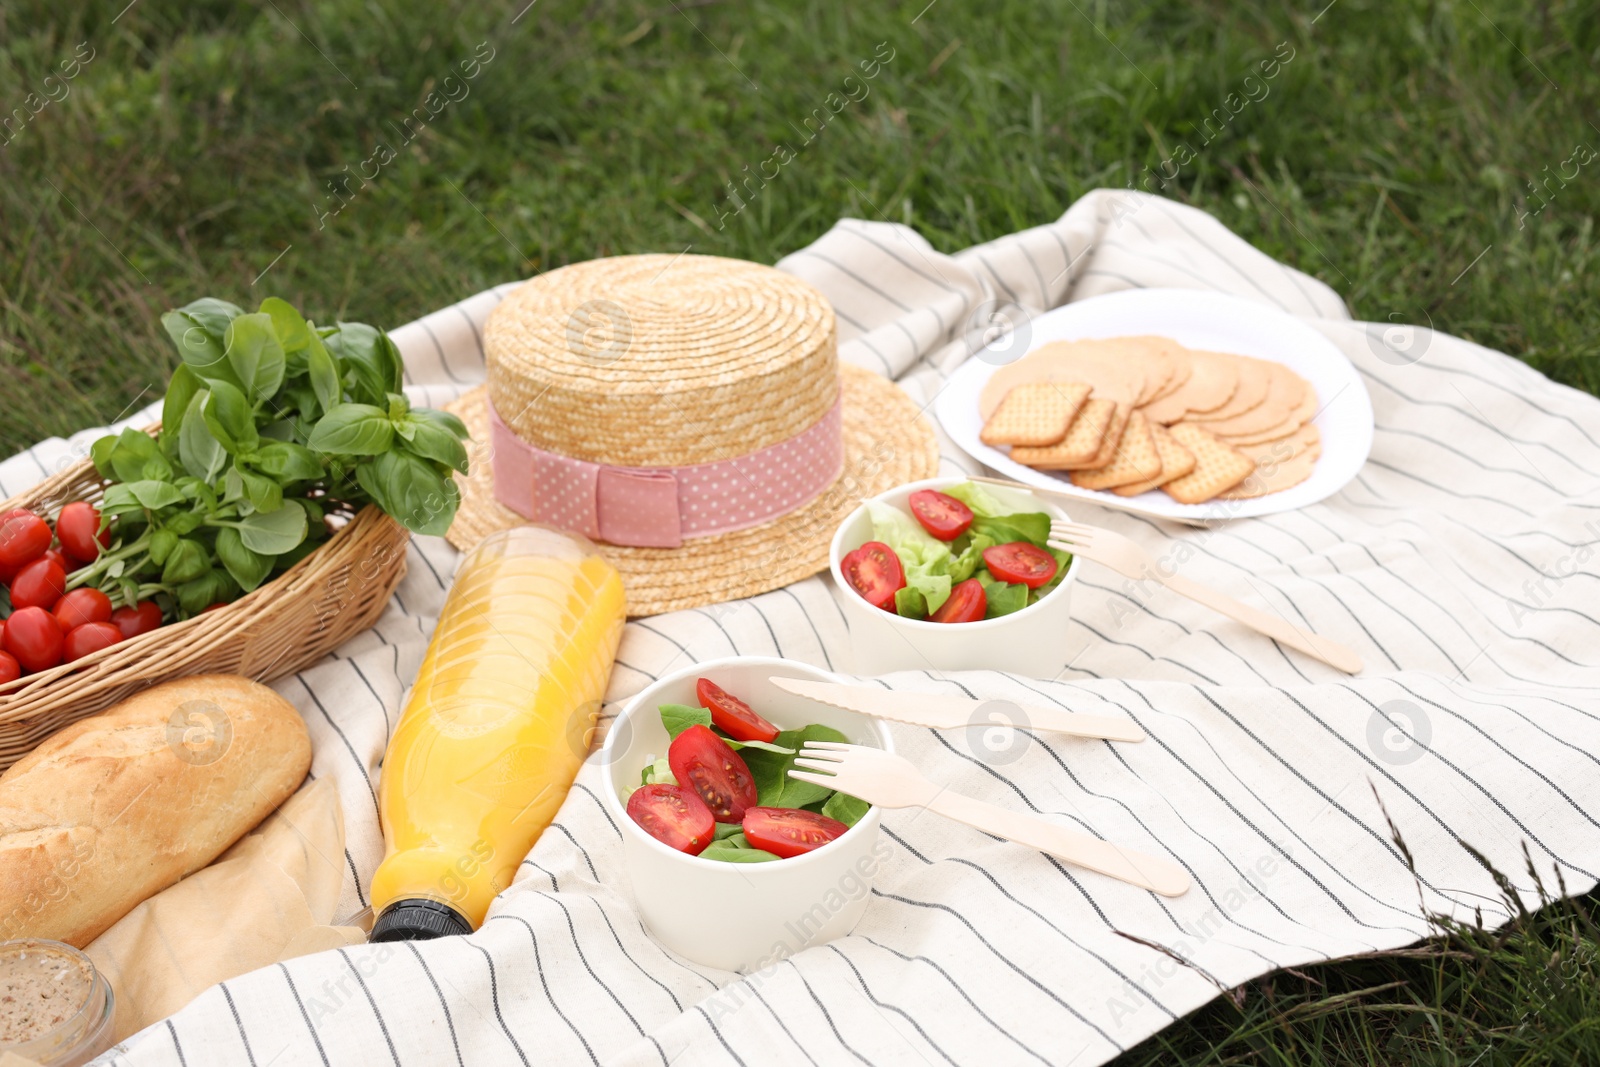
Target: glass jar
(55, 1007)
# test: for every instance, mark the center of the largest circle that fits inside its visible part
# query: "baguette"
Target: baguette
(115, 808)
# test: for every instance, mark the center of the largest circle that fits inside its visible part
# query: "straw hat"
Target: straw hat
(690, 415)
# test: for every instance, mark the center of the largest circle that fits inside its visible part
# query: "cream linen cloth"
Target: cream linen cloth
(1459, 563)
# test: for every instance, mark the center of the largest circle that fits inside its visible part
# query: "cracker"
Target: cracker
(1081, 445)
(1218, 466)
(1102, 364)
(1037, 413)
(1112, 437)
(1135, 459)
(1213, 377)
(1255, 383)
(1273, 476)
(1176, 461)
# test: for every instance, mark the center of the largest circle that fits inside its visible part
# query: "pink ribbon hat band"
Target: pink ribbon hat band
(657, 507)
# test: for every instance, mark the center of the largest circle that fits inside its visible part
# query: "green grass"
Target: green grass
(1393, 158)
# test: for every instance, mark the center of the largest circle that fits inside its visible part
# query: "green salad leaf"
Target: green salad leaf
(679, 717)
(731, 854)
(774, 787)
(846, 808)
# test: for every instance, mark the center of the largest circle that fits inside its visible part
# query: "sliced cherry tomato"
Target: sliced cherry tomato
(139, 619)
(875, 572)
(703, 761)
(89, 638)
(78, 528)
(941, 514)
(673, 815)
(967, 603)
(83, 605)
(10, 669)
(1020, 561)
(24, 537)
(731, 715)
(38, 585)
(34, 637)
(790, 831)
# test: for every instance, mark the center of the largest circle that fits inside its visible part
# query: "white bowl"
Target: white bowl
(1030, 642)
(741, 916)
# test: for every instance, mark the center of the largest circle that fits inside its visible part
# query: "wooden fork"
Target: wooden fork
(1125, 557)
(890, 781)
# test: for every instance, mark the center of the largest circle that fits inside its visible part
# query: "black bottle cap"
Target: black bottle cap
(418, 920)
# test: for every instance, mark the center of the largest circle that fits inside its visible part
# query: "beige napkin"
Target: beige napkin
(270, 897)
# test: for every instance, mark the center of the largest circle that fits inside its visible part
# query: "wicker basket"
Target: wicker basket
(280, 627)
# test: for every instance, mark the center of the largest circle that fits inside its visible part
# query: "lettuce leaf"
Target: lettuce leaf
(925, 559)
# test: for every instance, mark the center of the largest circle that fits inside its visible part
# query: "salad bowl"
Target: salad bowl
(1030, 641)
(740, 916)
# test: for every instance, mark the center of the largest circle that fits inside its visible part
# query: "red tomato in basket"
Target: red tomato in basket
(967, 603)
(83, 605)
(38, 585)
(941, 514)
(874, 571)
(703, 761)
(78, 528)
(89, 638)
(62, 560)
(731, 715)
(790, 832)
(673, 815)
(1022, 562)
(10, 669)
(139, 619)
(24, 537)
(34, 637)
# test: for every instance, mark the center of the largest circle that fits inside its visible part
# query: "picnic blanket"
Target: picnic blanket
(1460, 563)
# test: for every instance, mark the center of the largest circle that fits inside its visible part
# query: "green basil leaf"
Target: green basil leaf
(187, 561)
(324, 375)
(213, 587)
(212, 315)
(368, 359)
(442, 419)
(277, 430)
(679, 717)
(256, 355)
(721, 850)
(434, 442)
(263, 493)
(199, 330)
(188, 522)
(288, 462)
(774, 787)
(181, 388)
(229, 417)
(398, 406)
(100, 453)
(423, 500)
(155, 495)
(232, 486)
(132, 450)
(275, 532)
(248, 568)
(846, 808)
(118, 500)
(353, 430)
(287, 322)
(162, 542)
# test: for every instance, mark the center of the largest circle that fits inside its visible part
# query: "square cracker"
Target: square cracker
(1218, 467)
(1176, 461)
(1135, 460)
(1079, 447)
(1036, 413)
(1113, 435)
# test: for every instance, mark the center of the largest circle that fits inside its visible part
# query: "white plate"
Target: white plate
(1200, 320)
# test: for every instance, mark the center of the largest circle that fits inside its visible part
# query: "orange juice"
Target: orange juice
(495, 728)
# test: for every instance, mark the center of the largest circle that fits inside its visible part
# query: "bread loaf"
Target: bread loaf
(117, 807)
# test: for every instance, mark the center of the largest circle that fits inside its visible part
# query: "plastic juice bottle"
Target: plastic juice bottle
(495, 729)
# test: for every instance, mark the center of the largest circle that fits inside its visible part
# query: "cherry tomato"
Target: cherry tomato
(38, 585)
(703, 761)
(874, 571)
(941, 514)
(967, 603)
(24, 537)
(34, 637)
(10, 669)
(789, 831)
(1020, 561)
(64, 561)
(214, 607)
(731, 715)
(673, 815)
(83, 605)
(89, 638)
(139, 619)
(78, 527)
